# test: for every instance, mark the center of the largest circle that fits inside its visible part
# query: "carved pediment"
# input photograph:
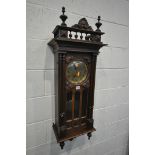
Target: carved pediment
(83, 24)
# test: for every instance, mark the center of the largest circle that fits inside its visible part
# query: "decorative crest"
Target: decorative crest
(81, 31)
(83, 24)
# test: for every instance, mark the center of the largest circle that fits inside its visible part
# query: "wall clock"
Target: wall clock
(75, 49)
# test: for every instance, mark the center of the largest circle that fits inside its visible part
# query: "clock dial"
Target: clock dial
(76, 72)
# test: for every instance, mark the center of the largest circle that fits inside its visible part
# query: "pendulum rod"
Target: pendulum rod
(73, 105)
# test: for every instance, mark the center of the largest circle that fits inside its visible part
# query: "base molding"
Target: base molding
(70, 135)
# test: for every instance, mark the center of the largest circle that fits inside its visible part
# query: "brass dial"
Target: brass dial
(76, 72)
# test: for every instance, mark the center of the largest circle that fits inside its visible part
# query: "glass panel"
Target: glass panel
(84, 101)
(77, 102)
(69, 106)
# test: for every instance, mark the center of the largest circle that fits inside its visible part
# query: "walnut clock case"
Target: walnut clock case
(75, 49)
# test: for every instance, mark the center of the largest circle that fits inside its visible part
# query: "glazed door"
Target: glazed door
(76, 107)
(77, 90)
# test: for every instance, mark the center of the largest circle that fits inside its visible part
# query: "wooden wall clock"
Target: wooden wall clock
(75, 49)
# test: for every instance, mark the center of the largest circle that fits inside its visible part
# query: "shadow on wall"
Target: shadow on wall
(127, 148)
(50, 85)
(72, 147)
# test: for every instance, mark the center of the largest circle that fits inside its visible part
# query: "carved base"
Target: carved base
(72, 134)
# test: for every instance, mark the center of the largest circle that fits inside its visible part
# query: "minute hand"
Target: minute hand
(75, 68)
(76, 71)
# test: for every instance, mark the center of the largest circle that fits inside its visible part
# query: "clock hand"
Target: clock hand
(75, 68)
(74, 75)
(77, 72)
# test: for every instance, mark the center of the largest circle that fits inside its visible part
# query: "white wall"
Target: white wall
(111, 92)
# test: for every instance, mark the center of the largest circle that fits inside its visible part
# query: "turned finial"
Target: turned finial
(63, 17)
(98, 24)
